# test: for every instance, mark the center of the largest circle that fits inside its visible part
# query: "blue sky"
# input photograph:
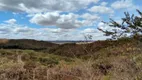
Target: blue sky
(60, 19)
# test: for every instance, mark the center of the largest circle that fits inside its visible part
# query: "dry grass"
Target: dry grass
(121, 62)
(121, 68)
(3, 41)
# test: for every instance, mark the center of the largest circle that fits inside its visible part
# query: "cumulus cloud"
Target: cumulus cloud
(64, 21)
(104, 3)
(96, 34)
(101, 9)
(23, 30)
(15, 31)
(123, 4)
(11, 21)
(55, 19)
(90, 30)
(90, 17)
(56, 30)
(10, 27)
(46, 19)
(66, 16)
(106, 27)
(4, 30)
(31, 6)
(103, 26)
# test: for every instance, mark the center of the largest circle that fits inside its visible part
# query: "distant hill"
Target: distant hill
(102, 60)
(75, 49)
(69, 49)
(25, 44)
(70, 41)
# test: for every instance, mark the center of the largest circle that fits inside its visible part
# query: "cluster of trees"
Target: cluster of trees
(131, 25)
(27, 44)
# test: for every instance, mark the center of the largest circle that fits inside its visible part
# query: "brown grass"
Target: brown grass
(3, 41)
(119, 61)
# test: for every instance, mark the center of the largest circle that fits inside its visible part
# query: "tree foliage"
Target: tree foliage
(131, 25)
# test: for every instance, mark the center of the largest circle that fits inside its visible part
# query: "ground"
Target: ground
(102, 60)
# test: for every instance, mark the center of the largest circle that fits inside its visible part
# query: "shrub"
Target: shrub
(48, 61)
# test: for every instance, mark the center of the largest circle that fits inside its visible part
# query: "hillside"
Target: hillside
(25, 44)
(102, 60)
(79, 50)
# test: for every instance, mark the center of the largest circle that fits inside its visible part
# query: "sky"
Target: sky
(61, 19)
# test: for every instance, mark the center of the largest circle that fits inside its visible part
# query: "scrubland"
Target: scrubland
(101, 60)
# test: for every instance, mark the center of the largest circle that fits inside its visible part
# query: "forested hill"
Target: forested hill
(25, 44)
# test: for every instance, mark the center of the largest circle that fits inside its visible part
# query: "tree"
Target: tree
(131, 24)
(87, 37)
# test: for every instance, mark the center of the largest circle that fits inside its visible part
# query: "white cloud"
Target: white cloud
(32, 6)
(96, 34)
(11, 21)
(23, 30)
(104, 3)
(62, 15)
(4, 30)
(123, 4)
(90, 30)
(46, 19)
(101, 9)
(64, 21)
(90, 17)
(105, 27)
(56, 30)
(15, 31)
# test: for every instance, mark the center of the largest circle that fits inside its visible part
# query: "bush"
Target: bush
(48, 61)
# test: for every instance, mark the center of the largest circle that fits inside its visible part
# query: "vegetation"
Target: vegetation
(102, 60)
(26, 44)
(131, 25)
(119, 59)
